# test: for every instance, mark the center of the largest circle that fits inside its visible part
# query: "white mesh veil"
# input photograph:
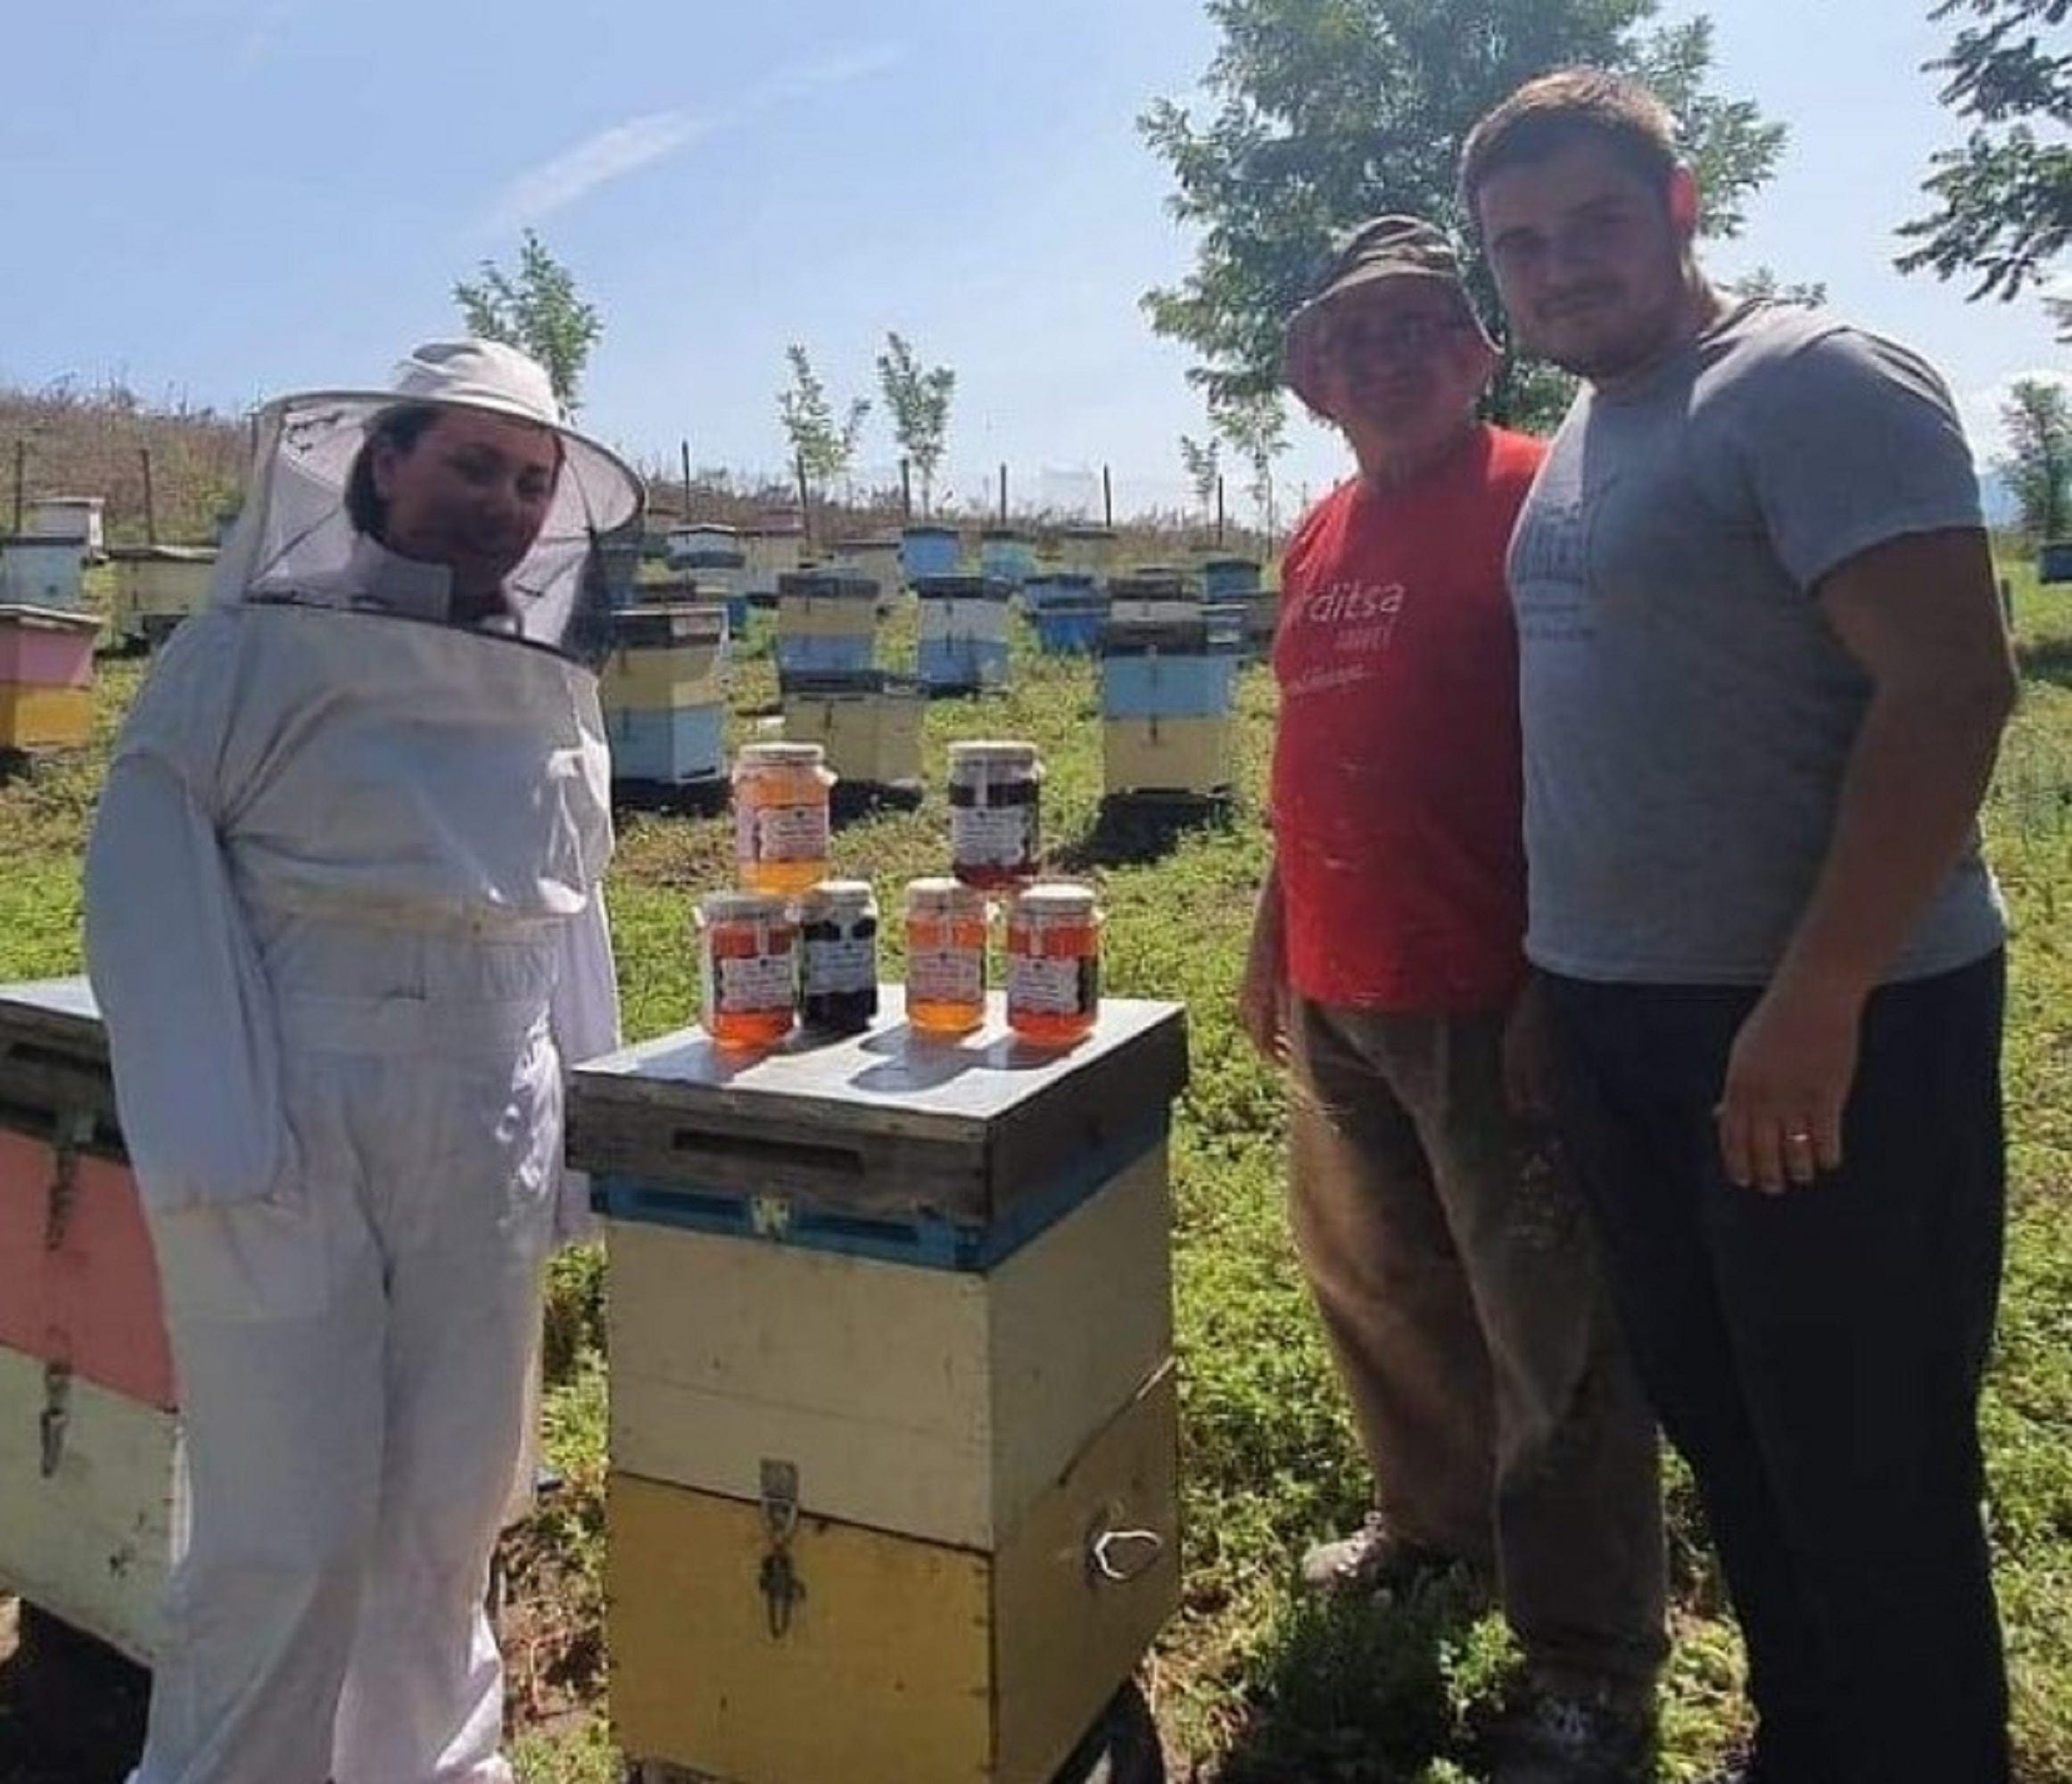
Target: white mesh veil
(295, 539)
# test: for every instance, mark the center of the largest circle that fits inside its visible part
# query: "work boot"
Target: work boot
(1373, 1559)
(1557, 1738)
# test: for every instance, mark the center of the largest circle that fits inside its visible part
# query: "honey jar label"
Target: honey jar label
(839, 966)
(748, 984)
(945, 975)
(1056, 985)
(990, 836)
(782, 833)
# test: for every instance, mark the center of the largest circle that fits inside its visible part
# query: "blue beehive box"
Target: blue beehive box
(1229, 578)
(929, 550)
(824, 656)
(1068, 615)
(668, 747)
(895, 1159)
(962, 633)
(1007, 555)
(618, 558)
(1166, 687)
(962, 665)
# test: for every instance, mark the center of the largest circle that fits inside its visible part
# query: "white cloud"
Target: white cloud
(596, 160)
(627, 147)
(1980, 409)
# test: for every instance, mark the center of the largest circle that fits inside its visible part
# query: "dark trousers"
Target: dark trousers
(1452, 1263)
(1816, 1356)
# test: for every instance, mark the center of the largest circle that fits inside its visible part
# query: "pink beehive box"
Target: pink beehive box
(78, 1281)
(43, 648)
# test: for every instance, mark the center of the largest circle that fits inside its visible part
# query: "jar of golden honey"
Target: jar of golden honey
(780, 816)
(946, 956)
(748, 951)
(995, 812)
(1053, 963)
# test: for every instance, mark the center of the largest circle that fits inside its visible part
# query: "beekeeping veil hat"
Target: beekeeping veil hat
(296, 540)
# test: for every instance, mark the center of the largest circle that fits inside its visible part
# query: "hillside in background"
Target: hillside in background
(63, 440)
(71, 442)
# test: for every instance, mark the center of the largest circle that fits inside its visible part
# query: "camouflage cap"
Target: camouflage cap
(1392, 247)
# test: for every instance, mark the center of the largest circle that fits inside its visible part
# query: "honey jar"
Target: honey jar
(946, 956)
(780, 816)
(995, 812)
(837, 924)
(1053, 963)
(748, 951)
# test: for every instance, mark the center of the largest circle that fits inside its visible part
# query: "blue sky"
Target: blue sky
(221, 199)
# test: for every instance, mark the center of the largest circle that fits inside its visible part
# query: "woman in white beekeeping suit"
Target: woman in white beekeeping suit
(344, 920)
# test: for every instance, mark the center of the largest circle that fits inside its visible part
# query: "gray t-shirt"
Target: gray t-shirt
(1687, 712)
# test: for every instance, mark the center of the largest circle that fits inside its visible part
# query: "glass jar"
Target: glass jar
(748, 951)
(838, 925)
(780, 816)
(995, 812)
(946, 956)
(1053, 963)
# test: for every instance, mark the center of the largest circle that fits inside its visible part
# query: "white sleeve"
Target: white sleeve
(191, 1034)
(586, 1023)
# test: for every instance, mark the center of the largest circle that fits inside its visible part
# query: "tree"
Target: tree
(1204, 461)
(1256, 428)
(2038, 467)
(1763, 281)
(1329, 111)
(2003, 200)
(537, 311)
(919, 399)
(823, 447)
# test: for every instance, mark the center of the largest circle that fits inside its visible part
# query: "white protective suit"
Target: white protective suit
(345, 920)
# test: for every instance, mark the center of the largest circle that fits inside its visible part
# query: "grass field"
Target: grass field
(1250, 1683)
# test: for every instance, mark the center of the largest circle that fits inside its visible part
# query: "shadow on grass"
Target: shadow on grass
(2045, 659)
(1134, 830)
(1359, 1690)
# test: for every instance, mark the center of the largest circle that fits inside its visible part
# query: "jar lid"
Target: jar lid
(1055, 898)
(944, 895)
(741, 907)
(995, 752)
(833, 897)
(780, 755)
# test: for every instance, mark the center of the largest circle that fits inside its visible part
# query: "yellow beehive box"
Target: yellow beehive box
(1189, 756)
(156, 587)
(851, 614)
(936, 1403)
(752, 1647)
(868, 722)
(33, 717)
(660, 680)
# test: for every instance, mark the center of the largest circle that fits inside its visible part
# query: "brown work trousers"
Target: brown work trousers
(1454, 1269)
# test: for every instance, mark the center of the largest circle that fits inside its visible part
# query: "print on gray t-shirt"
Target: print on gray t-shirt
(1687, 712)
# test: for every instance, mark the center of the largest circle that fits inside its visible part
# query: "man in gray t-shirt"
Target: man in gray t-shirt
(1762, 678)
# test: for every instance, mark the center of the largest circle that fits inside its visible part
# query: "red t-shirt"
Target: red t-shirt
(1397, 791)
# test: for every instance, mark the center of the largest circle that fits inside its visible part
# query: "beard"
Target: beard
(1599, 332)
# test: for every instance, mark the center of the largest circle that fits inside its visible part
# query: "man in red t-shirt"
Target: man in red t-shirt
(1447, 1252)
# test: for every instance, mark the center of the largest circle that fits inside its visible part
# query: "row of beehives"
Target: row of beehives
(892, 1443)
(156, 586)
(751, 561)
(1168, 686)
